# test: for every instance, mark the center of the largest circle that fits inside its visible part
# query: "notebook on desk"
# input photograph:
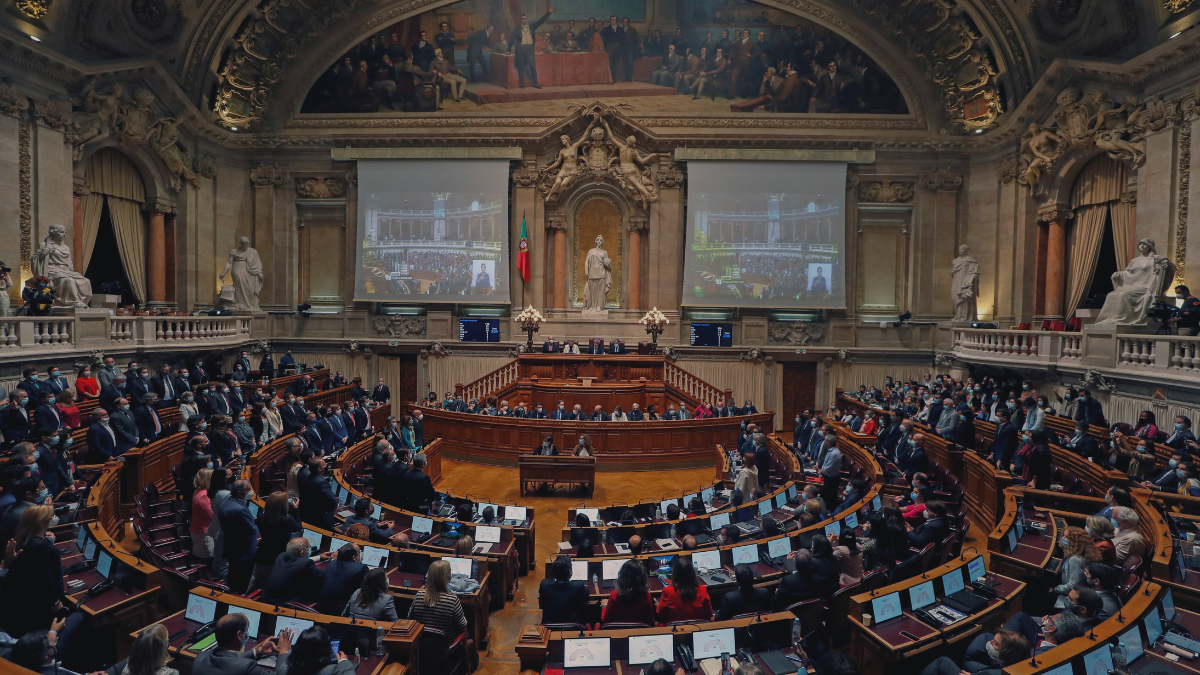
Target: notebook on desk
(965, 601)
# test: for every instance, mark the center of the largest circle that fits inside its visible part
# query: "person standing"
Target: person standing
(831, 470)
(611, 36)
(475, 44)
(524, 38)
(629, 47)
(241, 535)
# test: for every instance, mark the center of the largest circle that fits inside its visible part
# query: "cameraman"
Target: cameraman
(6, 283)
(1187, 320)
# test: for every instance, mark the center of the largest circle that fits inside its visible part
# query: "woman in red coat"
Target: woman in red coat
(630, 602)
(685, 599)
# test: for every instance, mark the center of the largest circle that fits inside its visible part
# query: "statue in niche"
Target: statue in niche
(53, 261)
(247, 271)
(598, 267)
(965, 282)
(1137, 287)
(599, 155)
(1040, 147)
(567, 164)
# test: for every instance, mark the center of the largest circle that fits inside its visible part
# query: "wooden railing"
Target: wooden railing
(693, 386)
(480, 389)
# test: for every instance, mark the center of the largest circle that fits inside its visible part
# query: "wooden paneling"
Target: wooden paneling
(799, 389)
(882, 261)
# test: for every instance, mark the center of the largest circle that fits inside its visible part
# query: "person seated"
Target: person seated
(635, 544)
(651, 414)
(343, 577)
(747, 598)
(1044, 633)
(294, 576)
(914, 515)
(585, 549)
(1128, 541)
(1087, 605)
(1103, 579)
(798, 585)
(598, 415)
(372, 601)
(618, 415)
(228, 658)
(562, 600)
(854, 491)
(685, 599)
(1008, 647)
(380, 531)
(550, 346)
(630, 601)
(695, 507)
(934, 529)
(547, 448)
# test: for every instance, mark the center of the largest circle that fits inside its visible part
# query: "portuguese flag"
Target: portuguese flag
(523, 251)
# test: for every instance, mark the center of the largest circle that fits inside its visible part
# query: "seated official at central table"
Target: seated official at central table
(455, 403)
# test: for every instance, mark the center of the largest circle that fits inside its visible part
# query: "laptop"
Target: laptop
(586, 653)
(514, 515)
(646, 649)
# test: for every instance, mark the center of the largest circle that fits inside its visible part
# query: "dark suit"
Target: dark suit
(1004, 444)
(738, 602)
(562, 601)
(1167, 481)
(762, 462)
(1088, 446)
(323, 430)
(793, 588)
(55, 473)
(166, 393)
(476, 42)
(635, 416)
(47, 420)
(102, 443)
(381, 393)
(218, 403)
(136, 390)
(563, 414)
(317, 501)
(224, 662)
(542, 450)
(611, 35)
(933, 531)
(550, 347)
(109, 395)
(916, 462)
(362, 422)
(423, 54)
(150, 427)
(616, 347)
(292, 577)
(35, 389)
(418, 488)
(126, 428)
(729, 411)
(292, 416)
(340, 582)
(241, 541)
(600, 417)
(523, 53)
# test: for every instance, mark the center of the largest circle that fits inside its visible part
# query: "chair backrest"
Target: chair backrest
(926, 557)
(1128, 587)
(1023, 326)
(809, 613)
(625, 625)
(435, 654)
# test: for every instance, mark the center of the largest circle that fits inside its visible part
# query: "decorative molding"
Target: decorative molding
(936, 180)
(12, 101)
(400, 326)
(943, 358)
(525, 175)
(1094, 379)
(1129, 197)
(352, 176)
(669, 174)
(756, 355)
(1054, 212)
(34, 9)
(886, 192)
(79, 186)
(600, 154)
(801, 333)
(265, 175)
(1009, 169)
(158, 206)
(776, 121)
(320, 187)
(436, 348)
(54, 113)
(1174, 6)
(25, 190)
(1181, 201)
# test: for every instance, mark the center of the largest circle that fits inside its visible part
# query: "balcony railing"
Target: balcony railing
(84, 332)
(41, 332)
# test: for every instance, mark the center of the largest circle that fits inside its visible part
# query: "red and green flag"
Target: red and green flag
(523, 251)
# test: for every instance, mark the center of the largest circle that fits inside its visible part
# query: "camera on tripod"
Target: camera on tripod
(1163, 312)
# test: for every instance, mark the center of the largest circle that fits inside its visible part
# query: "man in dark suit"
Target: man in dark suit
(51, 464)
(317, 501)
(522, 40)
(476, 42)
(125, 426)
(32, 386)
(320, 432)
(798, 585)
(550, 346)
(728, 410)
(1166, 480)
(362, 419)
(380, 531)
(294, 576)
(562, 600)
(197, 374)
(292, 416)
(167, 386)
(916, 461)
(46, 417)
(101, 438)
(218, 400)
(418, 487)
(598, 415)
(56, 382)
(595, 346)
(934, 529)
(109, 393)
(237, 398)
(381, 393)
(547, 447)
(342, 577)
(137, 387)
(150, 427)
(612, 37)
(228, 658)
(423, 51)
(241, 536)
(560, 412)
(762, 459)
(635, 414)
(749, 408)
(1004, 443)
(616, 347)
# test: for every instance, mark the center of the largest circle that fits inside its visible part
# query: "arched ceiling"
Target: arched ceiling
(960, 64)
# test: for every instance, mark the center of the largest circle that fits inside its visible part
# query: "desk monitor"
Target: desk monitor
(452, 529)
(686, 500)
(253, 509)
(252, 619)
(459, 566)
(1012, 540)
(487, 534)
(479, 508)
(297, 626)
(105, 561)
(1153, 626)
(610, 567)
(621, 535)
(1168, 606)
(834, 528)
(791, 492)
(665, 503)
(1020, 530)
(593, 515)
(1181, 562)
(1098, 661)
(579, 570)
(781, 500)
(644, 649)
(707, 495)
(517, 514)
(414, 562)
(586, 653)
(658, 531)
(422, 525)
(201, 609)
(708, 644)
(747, 554)
(765, 507)
(350, 498)
(887, 607)
(952, 581)
(82, 538)
(314, 539)
(706, 560)
(336, 543)
(779, 548)
(876, 503)
(851, 520)
(373, 556)
(1064, 669)
(976, 569)
(90, 549)
(376, 511)
(718, 520)
(922, 595)
(1132, 639)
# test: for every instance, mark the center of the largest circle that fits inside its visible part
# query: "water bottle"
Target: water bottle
(595, 580)
(603, 536)
(672, 530)
(356, 656)
(379, 641)
(797, 633)
(658, 512)
(1120, 657)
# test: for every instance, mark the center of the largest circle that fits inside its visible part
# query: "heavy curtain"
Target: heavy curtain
(1085, 244)
(129, 226)
(848, 376)
(446, 371)
(112, 176)
(1122, 226)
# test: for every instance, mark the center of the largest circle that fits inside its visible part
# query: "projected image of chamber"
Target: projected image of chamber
(765, 234)
(432, 230)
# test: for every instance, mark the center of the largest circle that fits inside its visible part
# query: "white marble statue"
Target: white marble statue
(965, 284)
(247, 276)
(1136, 288)
(598, 267)
(53, 261)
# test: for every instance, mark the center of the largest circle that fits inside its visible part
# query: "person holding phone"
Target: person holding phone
(312, 654)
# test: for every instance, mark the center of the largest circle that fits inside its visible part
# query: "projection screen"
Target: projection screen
(432, 231)
(765, 234)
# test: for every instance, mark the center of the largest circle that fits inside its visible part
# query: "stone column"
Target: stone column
(156, 253)
(935, 220)
(79, 188)
(637, 225)
(666, 241)
(1055, 216)
(271, 234)
(557, 229)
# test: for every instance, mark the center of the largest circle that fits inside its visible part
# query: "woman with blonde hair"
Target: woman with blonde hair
(202, 517)
(1078, 550)
(35, 580)
(1102, 532)
(436, 607)
(149, 653)
(465, 545)
(65, 402)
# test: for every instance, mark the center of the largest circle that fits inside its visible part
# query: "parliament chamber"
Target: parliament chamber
(834, 337)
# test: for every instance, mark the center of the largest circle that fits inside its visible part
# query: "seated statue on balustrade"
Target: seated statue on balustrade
(53, 261)
(1137, 287)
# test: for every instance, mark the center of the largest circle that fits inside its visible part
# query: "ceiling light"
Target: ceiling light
(1170, 38)
(35, 38)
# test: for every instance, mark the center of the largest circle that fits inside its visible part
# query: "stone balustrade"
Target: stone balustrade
(92, 330)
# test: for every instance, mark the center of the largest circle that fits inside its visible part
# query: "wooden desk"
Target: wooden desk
(1033, 550)
(151, 464)
(881, 645)
(535, 470)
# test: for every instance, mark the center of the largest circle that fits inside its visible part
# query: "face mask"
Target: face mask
(992, 652)
(1012, 406)
(210, 465)
(1026, 439)
(50, 400)
(36, 455)
(291, 400)
(187, 399)
(1178, 427)
(203, 426)
(120, 407)
(1041, 405)
(104, 420)
(272, 404)
(928, 514)
(1063, 542)
(1067, 397)
(1142, 448)
(145, 376)
(183, 374)
(1115, 523)
(42, 494)
(108, 366)
(913, 495)
(1172, 464)
(300, 401)
(1024, 386)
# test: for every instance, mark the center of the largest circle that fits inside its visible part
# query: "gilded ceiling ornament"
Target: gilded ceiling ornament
(599, 154)
(886, 192)
(34, 9)
(1174, 6)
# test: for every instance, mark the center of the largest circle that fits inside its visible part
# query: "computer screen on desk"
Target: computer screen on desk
(952, 581)
(779, 548)
(1098, 661)
(201, 609)
(747, 554)
(104, 564)
(586, 653)
(515, 513)
(314, 539)
(1153, 626)
(297, 626)
(977, 569)
(373, 556)
(706, 560)
(611, 567)
(645, 649)
(579, 570)
(718, 520)
(1132, 639)
(707, 495)
(486, 534)
(252, 619)
(459, 566)
(922, 595)
(422, 525)
(887, 607)
(593, 515)
(708, 644)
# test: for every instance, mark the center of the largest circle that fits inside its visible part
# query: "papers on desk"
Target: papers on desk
(564, 545)
(666, 544)
(713, 666)
(622, 548)
(946, 615)
(267, 661)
